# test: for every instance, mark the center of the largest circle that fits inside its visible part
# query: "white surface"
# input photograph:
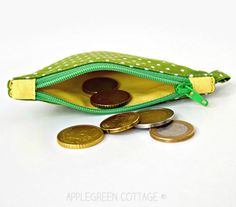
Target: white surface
(35, 171)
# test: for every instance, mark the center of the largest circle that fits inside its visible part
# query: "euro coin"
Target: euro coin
(176, 131)
(96, 85)
(80, 136)
(155, 117)
(120, 122)
(110, 99)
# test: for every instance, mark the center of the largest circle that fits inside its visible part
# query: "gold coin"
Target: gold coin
(96, 85)
(80, 136)
(155, 117)
(120, 122)
(110, 99)
(176, 131)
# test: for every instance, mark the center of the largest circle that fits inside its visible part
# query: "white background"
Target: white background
(35, 171)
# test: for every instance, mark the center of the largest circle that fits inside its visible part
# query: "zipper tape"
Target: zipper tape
(54, 100)
(182, 86)
(71, 73)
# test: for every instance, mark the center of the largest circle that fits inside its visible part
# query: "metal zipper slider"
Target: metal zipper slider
(188, 91)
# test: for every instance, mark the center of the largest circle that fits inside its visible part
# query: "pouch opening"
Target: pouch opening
(142, 90)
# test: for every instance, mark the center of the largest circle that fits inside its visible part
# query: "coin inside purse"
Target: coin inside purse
(141, 89)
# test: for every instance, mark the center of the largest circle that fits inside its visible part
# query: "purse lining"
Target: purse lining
(142, 90)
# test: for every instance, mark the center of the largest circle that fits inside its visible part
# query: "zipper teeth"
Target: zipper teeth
(68, 74)
(71, 73)
(52, 99)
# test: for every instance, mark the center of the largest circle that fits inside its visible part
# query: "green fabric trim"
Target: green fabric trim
(220, 77)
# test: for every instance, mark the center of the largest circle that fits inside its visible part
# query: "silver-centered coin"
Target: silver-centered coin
(155, 117)
(176, 131)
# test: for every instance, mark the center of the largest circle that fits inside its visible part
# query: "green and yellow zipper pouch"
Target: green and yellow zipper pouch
(148, 81)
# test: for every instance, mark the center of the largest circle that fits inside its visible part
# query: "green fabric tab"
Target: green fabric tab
(220, 77)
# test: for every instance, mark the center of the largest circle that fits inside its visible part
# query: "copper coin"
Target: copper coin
(176, 131)
(110, 99)
(96, 85)
(120, 122)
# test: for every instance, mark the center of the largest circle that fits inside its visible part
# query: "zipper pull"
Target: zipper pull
(188, 91)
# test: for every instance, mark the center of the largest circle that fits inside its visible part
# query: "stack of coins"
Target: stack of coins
(105, 93)
(160, 122)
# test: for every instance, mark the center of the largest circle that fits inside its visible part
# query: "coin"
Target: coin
(120, 122)
(155, 117)
(176, 131)
(96, 85)
(80, 136)
(110, 99)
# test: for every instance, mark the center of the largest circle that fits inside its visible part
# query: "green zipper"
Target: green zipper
(55, 100)
(183, 86)
(71, 73)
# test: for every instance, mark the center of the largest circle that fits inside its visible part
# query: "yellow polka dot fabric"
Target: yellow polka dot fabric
(130, 61)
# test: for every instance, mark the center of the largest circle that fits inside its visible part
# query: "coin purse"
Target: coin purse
(149, 81)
